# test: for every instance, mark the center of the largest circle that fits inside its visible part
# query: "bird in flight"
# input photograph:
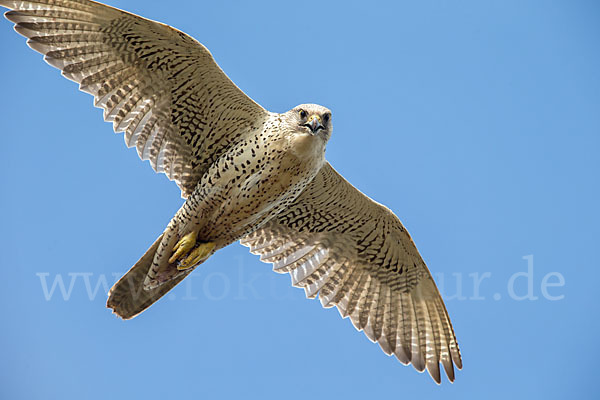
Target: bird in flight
(246, 174)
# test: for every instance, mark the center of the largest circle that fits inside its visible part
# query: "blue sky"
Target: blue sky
(477, 122)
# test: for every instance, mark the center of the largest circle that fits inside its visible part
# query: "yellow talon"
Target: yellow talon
(183, 246)
(198, 254)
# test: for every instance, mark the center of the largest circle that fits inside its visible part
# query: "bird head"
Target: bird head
(311, 119)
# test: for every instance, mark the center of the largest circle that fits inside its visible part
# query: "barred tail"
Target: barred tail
(128, 298)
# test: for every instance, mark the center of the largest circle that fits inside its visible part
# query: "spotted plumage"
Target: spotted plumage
(246, 174)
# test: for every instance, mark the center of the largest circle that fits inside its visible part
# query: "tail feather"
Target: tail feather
(128, 298)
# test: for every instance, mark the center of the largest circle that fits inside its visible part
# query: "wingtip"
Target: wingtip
(457, 361)
(434, 371)
(418, 362)
(449, 368)
(402, 354)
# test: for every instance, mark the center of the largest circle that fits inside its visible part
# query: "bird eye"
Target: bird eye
(326, 117)
(302, 114)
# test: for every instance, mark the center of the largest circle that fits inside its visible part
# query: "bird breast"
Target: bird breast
(254, 181)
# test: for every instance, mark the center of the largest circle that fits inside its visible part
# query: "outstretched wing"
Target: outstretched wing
(157, 84)
(355, 253)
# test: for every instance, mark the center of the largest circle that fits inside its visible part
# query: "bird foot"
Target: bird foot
(183, 246)
(188, 252)
(200, 253)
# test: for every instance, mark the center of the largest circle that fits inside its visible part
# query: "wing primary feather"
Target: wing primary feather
(371, 328)
(433, 342)
(390, 320)
(403, 346)
(444, 350)
(385, 306)
(417, 358)
(364, 304)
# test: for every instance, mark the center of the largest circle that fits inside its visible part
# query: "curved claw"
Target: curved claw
(200, 253)
(183, 246)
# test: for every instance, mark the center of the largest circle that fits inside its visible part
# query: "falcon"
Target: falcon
(246, 174)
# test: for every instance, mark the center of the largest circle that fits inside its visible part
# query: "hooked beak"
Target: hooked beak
(314, 123)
